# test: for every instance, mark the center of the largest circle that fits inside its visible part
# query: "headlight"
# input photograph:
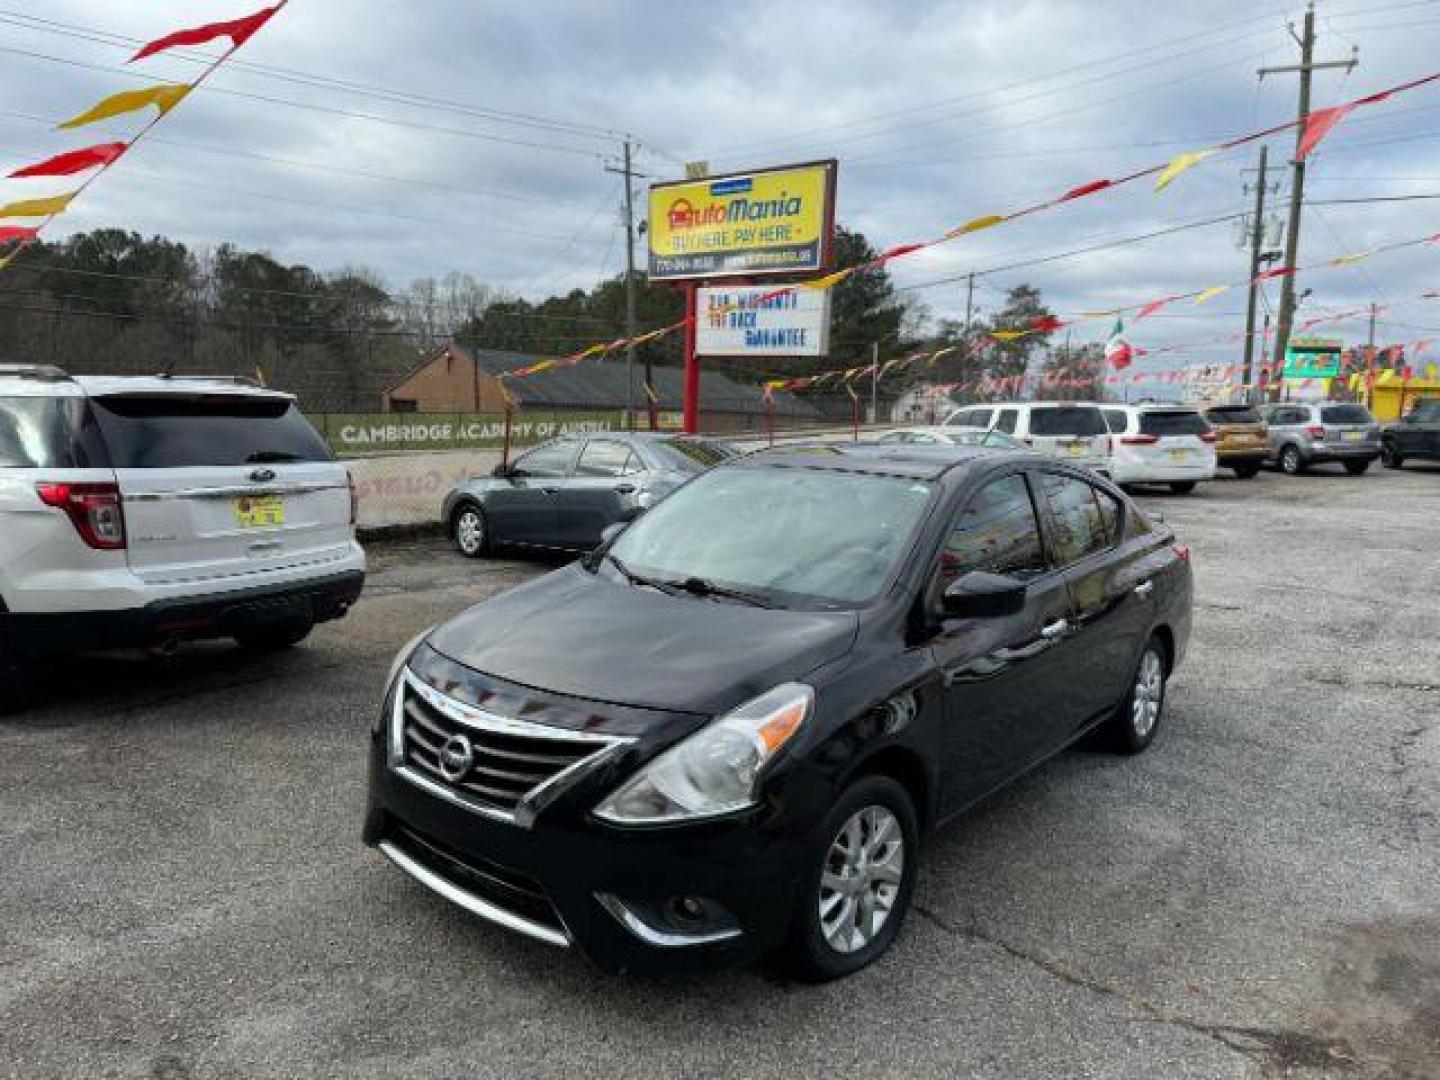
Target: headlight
(716, 770)
(405, 653)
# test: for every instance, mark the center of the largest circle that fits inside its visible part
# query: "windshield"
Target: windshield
(1233, 414)
(1346, 414)
(690, 455)
(1067, 420)
(798, 537)
(173, 430)
(1179, 422)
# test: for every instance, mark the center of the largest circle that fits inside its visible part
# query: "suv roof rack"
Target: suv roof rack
(45, 372)
(235, 380)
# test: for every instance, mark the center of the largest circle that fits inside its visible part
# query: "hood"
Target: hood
(590, 636)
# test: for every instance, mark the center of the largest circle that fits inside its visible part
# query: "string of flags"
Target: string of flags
(1314, 129)
(163, 98)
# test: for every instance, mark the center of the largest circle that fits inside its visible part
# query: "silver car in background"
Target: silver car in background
(1309, 433)
(564, 493)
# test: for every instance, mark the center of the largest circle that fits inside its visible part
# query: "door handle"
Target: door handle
(1056, 630)
(1144, 589)
(625, 489)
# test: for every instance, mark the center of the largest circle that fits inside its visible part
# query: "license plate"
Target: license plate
(1179, 455)
(1353, 436)
(1075, 450)
(259, 511)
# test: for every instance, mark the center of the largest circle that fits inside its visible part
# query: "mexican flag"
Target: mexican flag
(1118, 353)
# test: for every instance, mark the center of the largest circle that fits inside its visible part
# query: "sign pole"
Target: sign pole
(770, 419)
(505, 447)
(691, 417)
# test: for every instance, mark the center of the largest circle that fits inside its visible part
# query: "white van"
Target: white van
(1074, 431)
(144, 511)
(1161, 444)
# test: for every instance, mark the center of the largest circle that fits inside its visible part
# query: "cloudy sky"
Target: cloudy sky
(420, 138)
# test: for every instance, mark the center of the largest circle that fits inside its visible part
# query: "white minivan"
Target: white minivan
(1161, 444)
(1074, 431)
(151, 510)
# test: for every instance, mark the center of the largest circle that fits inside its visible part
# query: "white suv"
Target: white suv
(145, 511)
(1071, 430)
(1161, 444)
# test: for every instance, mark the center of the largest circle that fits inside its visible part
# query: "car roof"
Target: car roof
(113, 385)
(877, 459)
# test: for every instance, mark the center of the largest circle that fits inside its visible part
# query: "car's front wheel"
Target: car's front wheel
(1290, 460)
(1390, 456)
(468, 531)
(1246, 472)
(858, 883)
(1357, 468)
(1182, 487)
(1138, 718)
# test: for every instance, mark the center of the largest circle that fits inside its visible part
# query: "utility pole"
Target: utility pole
(1257, 238)
(1305, 68)
(630, 329)
(1370, 341)
(965, 334)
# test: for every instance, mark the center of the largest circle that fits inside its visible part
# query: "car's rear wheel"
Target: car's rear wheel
(14, 676)
(859, 881)
(1390, 456)
(1290, 460)
(1138, 718)
(1182, 487)
(469, 532)
(1247, 472)
(1356, 468)
(275, 637)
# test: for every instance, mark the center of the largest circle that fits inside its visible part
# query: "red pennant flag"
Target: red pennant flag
(1278, 271)
(1085, 189)
(1046, 324)
(238, 31)
(74, 161)
(17, 232)
(1150, 308)
(1407, 373)
(896, 252)
(1319, 124)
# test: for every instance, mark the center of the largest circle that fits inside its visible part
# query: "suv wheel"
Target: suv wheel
(1390, 456)
(1356, 468)
(468, 531)
(1138, 718)
(859, 881)
(1246, 472)
(274, 637)
(1182, 487)
(1290, 460)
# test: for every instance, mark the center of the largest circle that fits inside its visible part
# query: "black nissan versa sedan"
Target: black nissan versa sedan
(722, 734)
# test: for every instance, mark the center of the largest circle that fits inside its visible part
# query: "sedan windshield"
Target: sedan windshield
(691, 455)
(795, 536)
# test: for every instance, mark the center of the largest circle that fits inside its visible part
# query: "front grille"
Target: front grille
(509, 889)
(486, 761)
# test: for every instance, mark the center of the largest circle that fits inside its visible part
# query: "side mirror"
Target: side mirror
(501, 471)
(980, 595)
(614, 529)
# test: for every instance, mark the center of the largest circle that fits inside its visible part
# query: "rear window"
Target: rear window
(1067, 420)
(1346, 414)
(47, 433)
(175, 431)
(690, 455)
(1180, 422)
(1236, 414)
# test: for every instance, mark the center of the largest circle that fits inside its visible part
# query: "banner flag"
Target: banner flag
(1346, 260)
(1275, 272)
(1319, 124)
(1179, 163)
(55, 204)
(73, 161)
(1118, 352)
(1152, 307)
(238, 31)
(164, 97)
(1085, 189)
(17, 232)
(1210, 293)
(989, 221)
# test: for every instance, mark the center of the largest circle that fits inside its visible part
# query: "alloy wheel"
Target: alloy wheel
(470, 532)
(1290, 460)
(861, 879)
(1148, 694)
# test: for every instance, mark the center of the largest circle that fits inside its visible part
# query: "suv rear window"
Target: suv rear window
(1233, 414)
(173, 431)
(1346, 414)
(1067, 420)
(47, 433)
(1179, 422)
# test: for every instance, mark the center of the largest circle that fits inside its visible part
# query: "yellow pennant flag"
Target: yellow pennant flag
(1099, 314)
(1210, 293)
(942, 352)
(4, 262)
(1355, 382)
(828, 280)
(1178, 164)
(1008, 335)
(164, 97)
(55, 204)
(974, 225)
(1387, 375)
(1346, 260)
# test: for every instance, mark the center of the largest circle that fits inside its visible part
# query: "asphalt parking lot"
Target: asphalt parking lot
(184, 893)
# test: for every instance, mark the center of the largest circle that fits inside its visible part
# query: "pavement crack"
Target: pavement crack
(1414, 817)
(1277, 1048)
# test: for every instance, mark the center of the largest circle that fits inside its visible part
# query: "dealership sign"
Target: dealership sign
(754, 321)
(775, 221)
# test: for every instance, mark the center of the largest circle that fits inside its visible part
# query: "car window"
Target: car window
(1117, 420)
(959, 418)
(1000, 439)
(1232, 414)
(996, 532)
(1426, 412)
(604, 457)
(980, 417)
(1346, 414)
(1112, 513)
(1067, 420)
(45, 433)
(163, 431)
(1080, 528)
(551, 460)
(893, 437)
(1006, 422)
(690, 455)
(1176, 422)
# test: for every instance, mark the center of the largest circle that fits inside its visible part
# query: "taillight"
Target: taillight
(94, 509)
(1207, 436)
(1139, 440)
(1182, 550)
(1315, 431)
(354, 498)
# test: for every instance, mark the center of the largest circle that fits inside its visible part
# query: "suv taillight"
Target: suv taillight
(1207, 436)
(94, 509)
(354, 498)
(1315, 431)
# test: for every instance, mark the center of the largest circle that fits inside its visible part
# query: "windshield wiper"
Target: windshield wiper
(701, 587)
(638, 579)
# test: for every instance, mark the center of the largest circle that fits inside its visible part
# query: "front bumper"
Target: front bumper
(572, 880)
(188, 618)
